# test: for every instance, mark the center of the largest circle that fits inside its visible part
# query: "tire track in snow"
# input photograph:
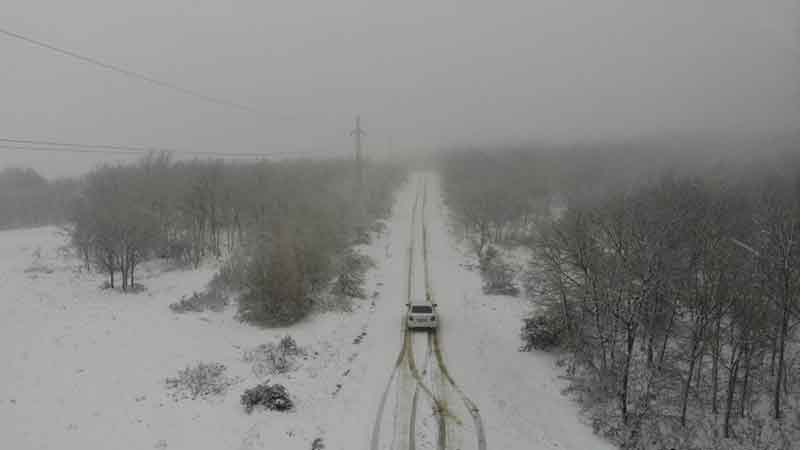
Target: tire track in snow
(468, 403)
(412, 436)
(440, 409)
(415, 400)
(376, 427)
(439, 402)
(406, 353)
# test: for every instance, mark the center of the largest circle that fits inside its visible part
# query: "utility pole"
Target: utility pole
(357, 133)
(359, 188)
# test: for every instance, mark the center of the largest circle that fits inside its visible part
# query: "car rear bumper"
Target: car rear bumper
(412, 324)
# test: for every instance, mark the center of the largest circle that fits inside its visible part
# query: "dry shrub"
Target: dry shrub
(38, 268)
(232, 275)
(211, 300)
(352, 270)
(542, 332)
(201, 380)
(272, 358)
(498, 275)
(270, 396)
(277, 292)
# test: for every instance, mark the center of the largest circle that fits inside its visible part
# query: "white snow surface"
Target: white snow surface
(85, 368)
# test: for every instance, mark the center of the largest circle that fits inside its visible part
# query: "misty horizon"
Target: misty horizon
(423, 76)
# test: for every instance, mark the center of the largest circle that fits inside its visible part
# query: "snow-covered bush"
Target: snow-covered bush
(277, 292)
(201, 380)
(211, 299)
(378, 227)
(38, 266)
(362, 236)
(542, 332)
(177, 251)
(498, 275)
(352, 268)
(232, 275)
(274, 358)
(270, 396)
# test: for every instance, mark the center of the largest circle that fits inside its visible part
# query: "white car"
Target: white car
(422, 315)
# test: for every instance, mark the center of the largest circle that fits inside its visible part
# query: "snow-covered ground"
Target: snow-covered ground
(85, 368)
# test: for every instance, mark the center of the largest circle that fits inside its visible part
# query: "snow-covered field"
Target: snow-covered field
(85, 368)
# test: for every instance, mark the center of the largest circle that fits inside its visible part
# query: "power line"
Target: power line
(128, 152)
(65, 150)
(32, 145)
(142, 77)
(133, 74)
(131, 149)
(87, 146)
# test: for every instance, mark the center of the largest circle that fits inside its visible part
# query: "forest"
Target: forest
(29, 200)
(667, 282)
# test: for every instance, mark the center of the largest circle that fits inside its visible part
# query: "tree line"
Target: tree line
(287, 220)
(673, 291)
(494, 199)
(27, 199)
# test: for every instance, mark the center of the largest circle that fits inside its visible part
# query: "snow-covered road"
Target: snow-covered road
(434, 415)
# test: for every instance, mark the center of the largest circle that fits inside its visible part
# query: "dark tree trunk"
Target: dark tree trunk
(123, 266)
(715, 366)
(132, 270)
(746, 382)
(667, 334)
(600, 332)
(784, 327)
(698, 373)
(732, 375)
(687, 384)
(623, 393)
(774, 353)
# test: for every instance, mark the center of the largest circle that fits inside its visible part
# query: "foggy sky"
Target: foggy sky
(427, 73)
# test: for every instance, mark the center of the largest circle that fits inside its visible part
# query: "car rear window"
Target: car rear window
(421, 309)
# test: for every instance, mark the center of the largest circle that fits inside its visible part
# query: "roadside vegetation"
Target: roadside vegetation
(670, 286)
(284, 232)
